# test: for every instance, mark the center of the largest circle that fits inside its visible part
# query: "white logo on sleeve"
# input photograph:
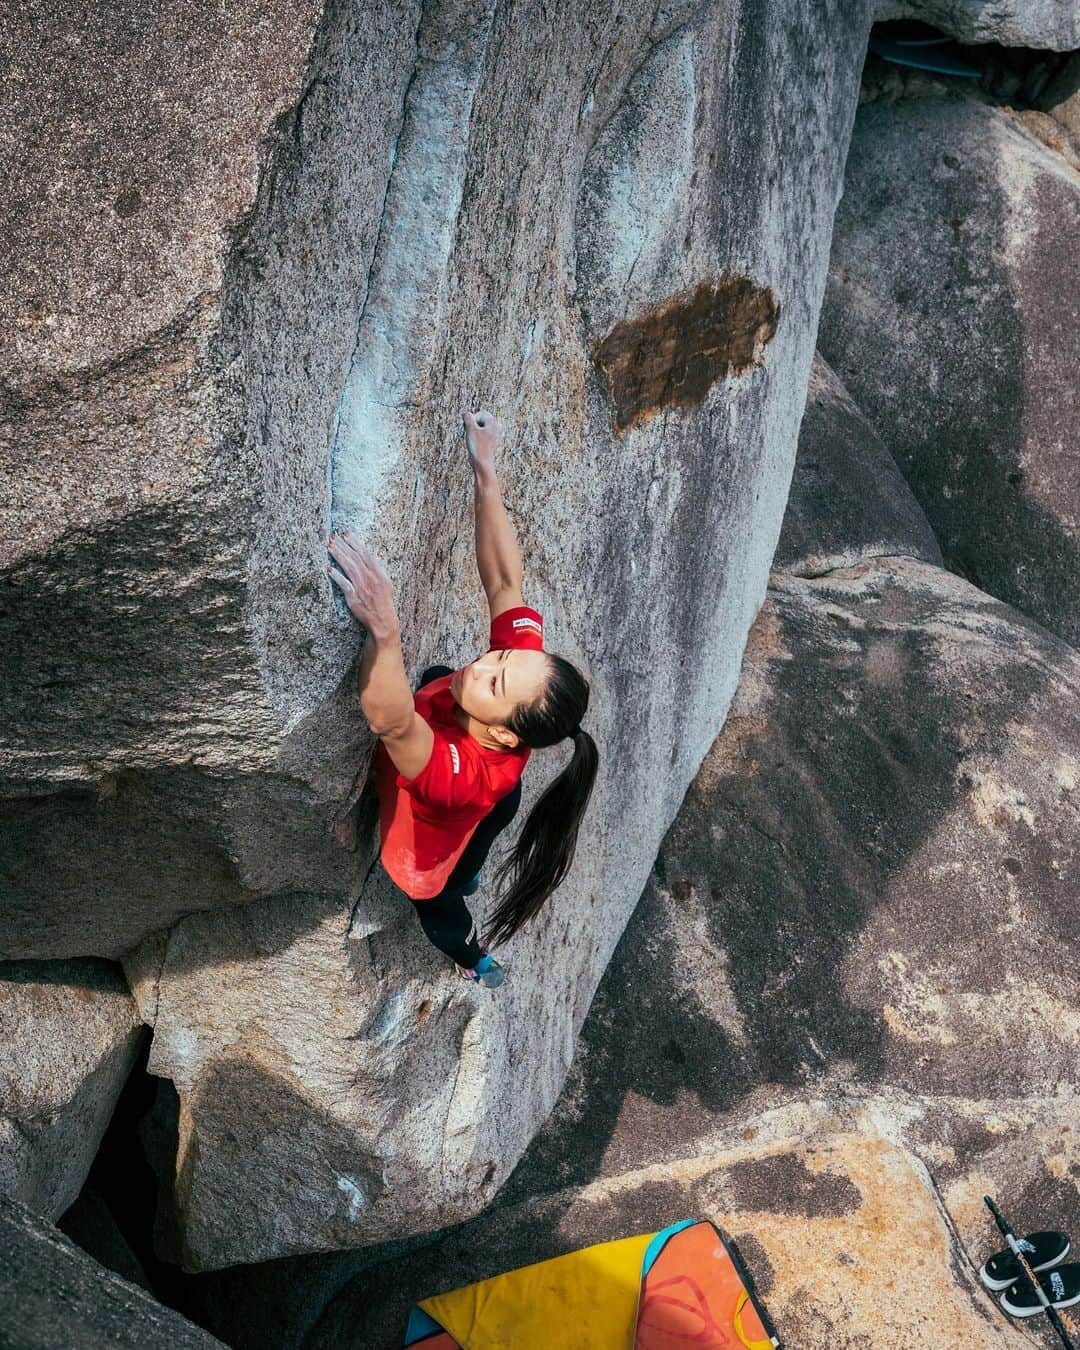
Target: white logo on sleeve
(528, 623)
(455, 757)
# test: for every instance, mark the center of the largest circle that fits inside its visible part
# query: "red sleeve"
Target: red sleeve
(521, 626)
(451, 777)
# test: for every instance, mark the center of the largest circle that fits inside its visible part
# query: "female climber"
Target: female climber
(449, 759)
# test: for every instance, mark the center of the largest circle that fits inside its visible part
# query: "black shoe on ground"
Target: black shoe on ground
(1042, 1250)
(1061, 1287)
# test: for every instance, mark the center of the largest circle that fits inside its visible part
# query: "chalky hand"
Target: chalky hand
(364, 583)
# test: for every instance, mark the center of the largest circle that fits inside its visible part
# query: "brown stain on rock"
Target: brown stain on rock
(765, 640)
(673, 355)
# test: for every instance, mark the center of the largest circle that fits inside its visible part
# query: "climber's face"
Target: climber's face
(492, 686)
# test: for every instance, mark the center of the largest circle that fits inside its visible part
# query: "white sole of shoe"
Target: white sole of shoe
(1038, 1308)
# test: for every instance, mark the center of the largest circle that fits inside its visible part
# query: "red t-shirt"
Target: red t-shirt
(426, 821)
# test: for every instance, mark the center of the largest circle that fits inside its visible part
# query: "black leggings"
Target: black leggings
(445, 918)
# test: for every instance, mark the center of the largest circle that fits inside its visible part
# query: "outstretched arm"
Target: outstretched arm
(498, 555)
(385, 695)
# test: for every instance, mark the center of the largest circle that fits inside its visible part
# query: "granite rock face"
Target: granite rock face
(861, 920)
(612, 228)
(417, 230)
(69, 1034)
(842, 1231)
(863, 910)
(870, 884)
(1054, 24)
(848, 500)
(948, 319)
(133, 698)
(52, 1294)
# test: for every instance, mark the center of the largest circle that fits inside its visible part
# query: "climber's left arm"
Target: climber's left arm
(385, 695)
(498, 553)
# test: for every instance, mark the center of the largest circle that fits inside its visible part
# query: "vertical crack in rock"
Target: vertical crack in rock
(402, 308)
(671, 356)
(394, 150)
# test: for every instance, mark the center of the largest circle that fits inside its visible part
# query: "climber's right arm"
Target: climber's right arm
(385, 695)
(498, 555)
(387, 702)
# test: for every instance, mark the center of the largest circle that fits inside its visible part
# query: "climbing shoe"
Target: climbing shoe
(473, 886)
(1061, 1287)
(487, 971)
(1042, 1250)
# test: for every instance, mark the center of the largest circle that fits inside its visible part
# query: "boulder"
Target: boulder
(1013, 23)
(52, 1294)
(674, 1058)
(1023, 1151)
(180, 722)
(91, 1225)
(69, 1035)
(86, 868)
(947, 320)
(1061, 99)
(842, 1232)
(1052, 134)
(848, 500)
(657, 295)
(869, 885)
(134, 696)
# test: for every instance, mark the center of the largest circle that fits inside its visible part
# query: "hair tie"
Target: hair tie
(575, 731)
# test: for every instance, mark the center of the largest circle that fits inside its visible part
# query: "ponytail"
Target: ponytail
(544, 851)
(545, 848)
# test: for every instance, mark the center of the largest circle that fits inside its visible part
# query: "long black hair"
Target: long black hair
(544, 851)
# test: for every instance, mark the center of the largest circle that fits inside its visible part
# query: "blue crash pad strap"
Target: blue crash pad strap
(656, 1246)
(420, 1326)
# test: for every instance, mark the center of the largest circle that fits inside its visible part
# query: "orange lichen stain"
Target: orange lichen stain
(673, 355)
(766, 639)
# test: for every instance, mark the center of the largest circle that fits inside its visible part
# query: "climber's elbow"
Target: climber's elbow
(385, 721)
(377, 719)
